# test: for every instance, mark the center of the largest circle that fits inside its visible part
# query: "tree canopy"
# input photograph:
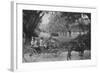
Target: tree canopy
(35, 21)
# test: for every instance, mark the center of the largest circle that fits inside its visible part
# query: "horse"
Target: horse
(77, 46)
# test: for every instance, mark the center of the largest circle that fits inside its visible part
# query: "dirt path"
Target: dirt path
(53, 57)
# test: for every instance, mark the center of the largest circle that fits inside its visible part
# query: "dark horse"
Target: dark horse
(79, 44)
(75, 47)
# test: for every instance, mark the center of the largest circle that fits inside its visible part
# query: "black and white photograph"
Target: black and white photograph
(47, 36)
(55, 36)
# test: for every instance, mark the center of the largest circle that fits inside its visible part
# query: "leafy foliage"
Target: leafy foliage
(58, 22)
(30, 22)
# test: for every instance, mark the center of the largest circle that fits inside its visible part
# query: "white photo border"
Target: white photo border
(18, 65)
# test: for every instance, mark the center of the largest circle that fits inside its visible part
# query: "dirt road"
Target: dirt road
(52, 57)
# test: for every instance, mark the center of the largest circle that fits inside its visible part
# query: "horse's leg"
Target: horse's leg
(81, 53)
(67, 58)
(69, 55)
